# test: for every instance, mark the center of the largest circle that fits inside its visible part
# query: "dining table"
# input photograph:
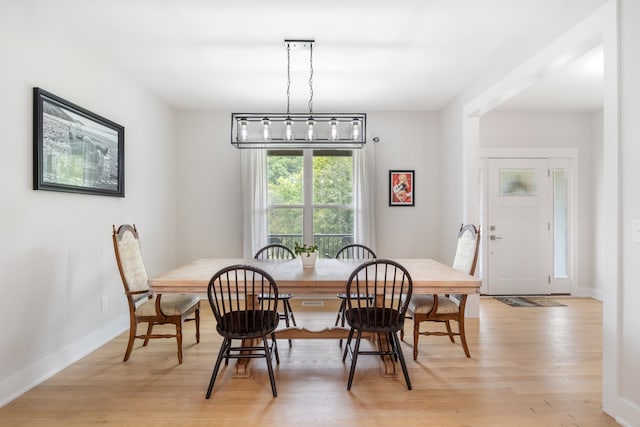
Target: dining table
(327, 278)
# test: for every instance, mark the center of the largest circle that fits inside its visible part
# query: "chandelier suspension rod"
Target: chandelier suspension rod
(311, 78)
(288, 77)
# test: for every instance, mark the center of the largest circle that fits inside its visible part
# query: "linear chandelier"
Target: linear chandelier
(341, 131)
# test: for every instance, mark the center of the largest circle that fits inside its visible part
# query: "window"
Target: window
(310, 198)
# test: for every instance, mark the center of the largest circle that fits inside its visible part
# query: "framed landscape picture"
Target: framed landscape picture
(401, 188)
(75, 150)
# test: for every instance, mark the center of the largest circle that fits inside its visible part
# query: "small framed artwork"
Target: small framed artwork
(401, 188)
(75, 150)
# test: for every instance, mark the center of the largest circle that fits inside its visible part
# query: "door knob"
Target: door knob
(494, 237)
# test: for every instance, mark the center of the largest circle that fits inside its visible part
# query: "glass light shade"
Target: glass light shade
(243, 133)
(311, 129)
(266, 130)
(355, 132)
(288, 130)
(333, 130)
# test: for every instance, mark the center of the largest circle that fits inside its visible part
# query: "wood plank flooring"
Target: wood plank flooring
(534, 366)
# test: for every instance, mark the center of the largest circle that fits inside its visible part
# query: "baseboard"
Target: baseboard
(24, 380)
(595, 293)
(627, 413)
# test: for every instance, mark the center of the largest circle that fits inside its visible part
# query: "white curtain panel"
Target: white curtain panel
(253, 165)
(364, 172)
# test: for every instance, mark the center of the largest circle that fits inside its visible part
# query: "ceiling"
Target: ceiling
(369, 55)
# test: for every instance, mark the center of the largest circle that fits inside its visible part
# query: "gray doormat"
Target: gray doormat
(529, 301)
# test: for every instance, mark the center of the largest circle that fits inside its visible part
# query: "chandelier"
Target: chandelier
(342, 131)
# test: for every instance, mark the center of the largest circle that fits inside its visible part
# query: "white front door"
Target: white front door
(519, 234)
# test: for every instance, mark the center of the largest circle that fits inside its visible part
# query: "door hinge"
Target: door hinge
(548, 226)
(548, 173)
(549, 279)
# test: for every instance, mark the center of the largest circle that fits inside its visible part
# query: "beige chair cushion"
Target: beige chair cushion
(172, 305)
(423, 304)
(132, 263)
(465, 252)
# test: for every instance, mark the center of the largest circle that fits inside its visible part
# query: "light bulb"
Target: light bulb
(243, 133)
(333, 130)
(311, 129)
(288, 130)
(355, 132)
(266, 131)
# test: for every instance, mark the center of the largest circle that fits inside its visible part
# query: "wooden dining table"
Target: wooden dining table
(328, 277)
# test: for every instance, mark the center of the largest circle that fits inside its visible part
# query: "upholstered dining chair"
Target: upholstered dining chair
(392, 286)
(278, 251)
(144, 305)
(351, 251)
(239, 316)
(447, 308)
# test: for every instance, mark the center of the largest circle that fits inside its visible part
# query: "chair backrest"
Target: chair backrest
(392, 286)
(130, 263)
(231, 294)
(275, 251)
(355, 251)
(467, 249)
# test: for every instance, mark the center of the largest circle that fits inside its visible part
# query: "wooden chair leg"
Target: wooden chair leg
(274, 343)
(463, 337)
(354, 360)
(293, 318)
(448, 325)
(149, 329)
(346, 347)
(416, 335)
(226, 343)
(267, 355)
(179, 339)
(286, 308)
(198, 323)
(341, 312)
(132, 337)
(400, 355)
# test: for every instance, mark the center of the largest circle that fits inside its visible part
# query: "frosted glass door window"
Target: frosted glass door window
(518, 182)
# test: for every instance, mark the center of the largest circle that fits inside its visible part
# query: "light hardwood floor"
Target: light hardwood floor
(528, 367)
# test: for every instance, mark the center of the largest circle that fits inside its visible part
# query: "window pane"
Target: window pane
(285, 226)
(518, 182)
(560, 233)
(332, 229)
(285, 178)
(332, 178)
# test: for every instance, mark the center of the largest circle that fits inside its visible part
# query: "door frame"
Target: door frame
(485, 153)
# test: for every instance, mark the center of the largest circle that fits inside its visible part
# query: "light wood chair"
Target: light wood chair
(447, 307)
(391, 283)
(278, 251)
(144, 305)
(241, 317)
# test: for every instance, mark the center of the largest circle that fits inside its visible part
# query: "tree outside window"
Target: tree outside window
(310, 198)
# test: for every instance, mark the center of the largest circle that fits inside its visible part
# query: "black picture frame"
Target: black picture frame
(402, 188)
(75, 150)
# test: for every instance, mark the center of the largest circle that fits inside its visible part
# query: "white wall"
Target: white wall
(209, 223)
(56, 255)
(628, 372)
(619, 269)
(538, 130)
(208, 200)
(408, 141)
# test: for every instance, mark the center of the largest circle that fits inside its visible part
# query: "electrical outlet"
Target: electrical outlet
(635, 230)
(104, 303)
